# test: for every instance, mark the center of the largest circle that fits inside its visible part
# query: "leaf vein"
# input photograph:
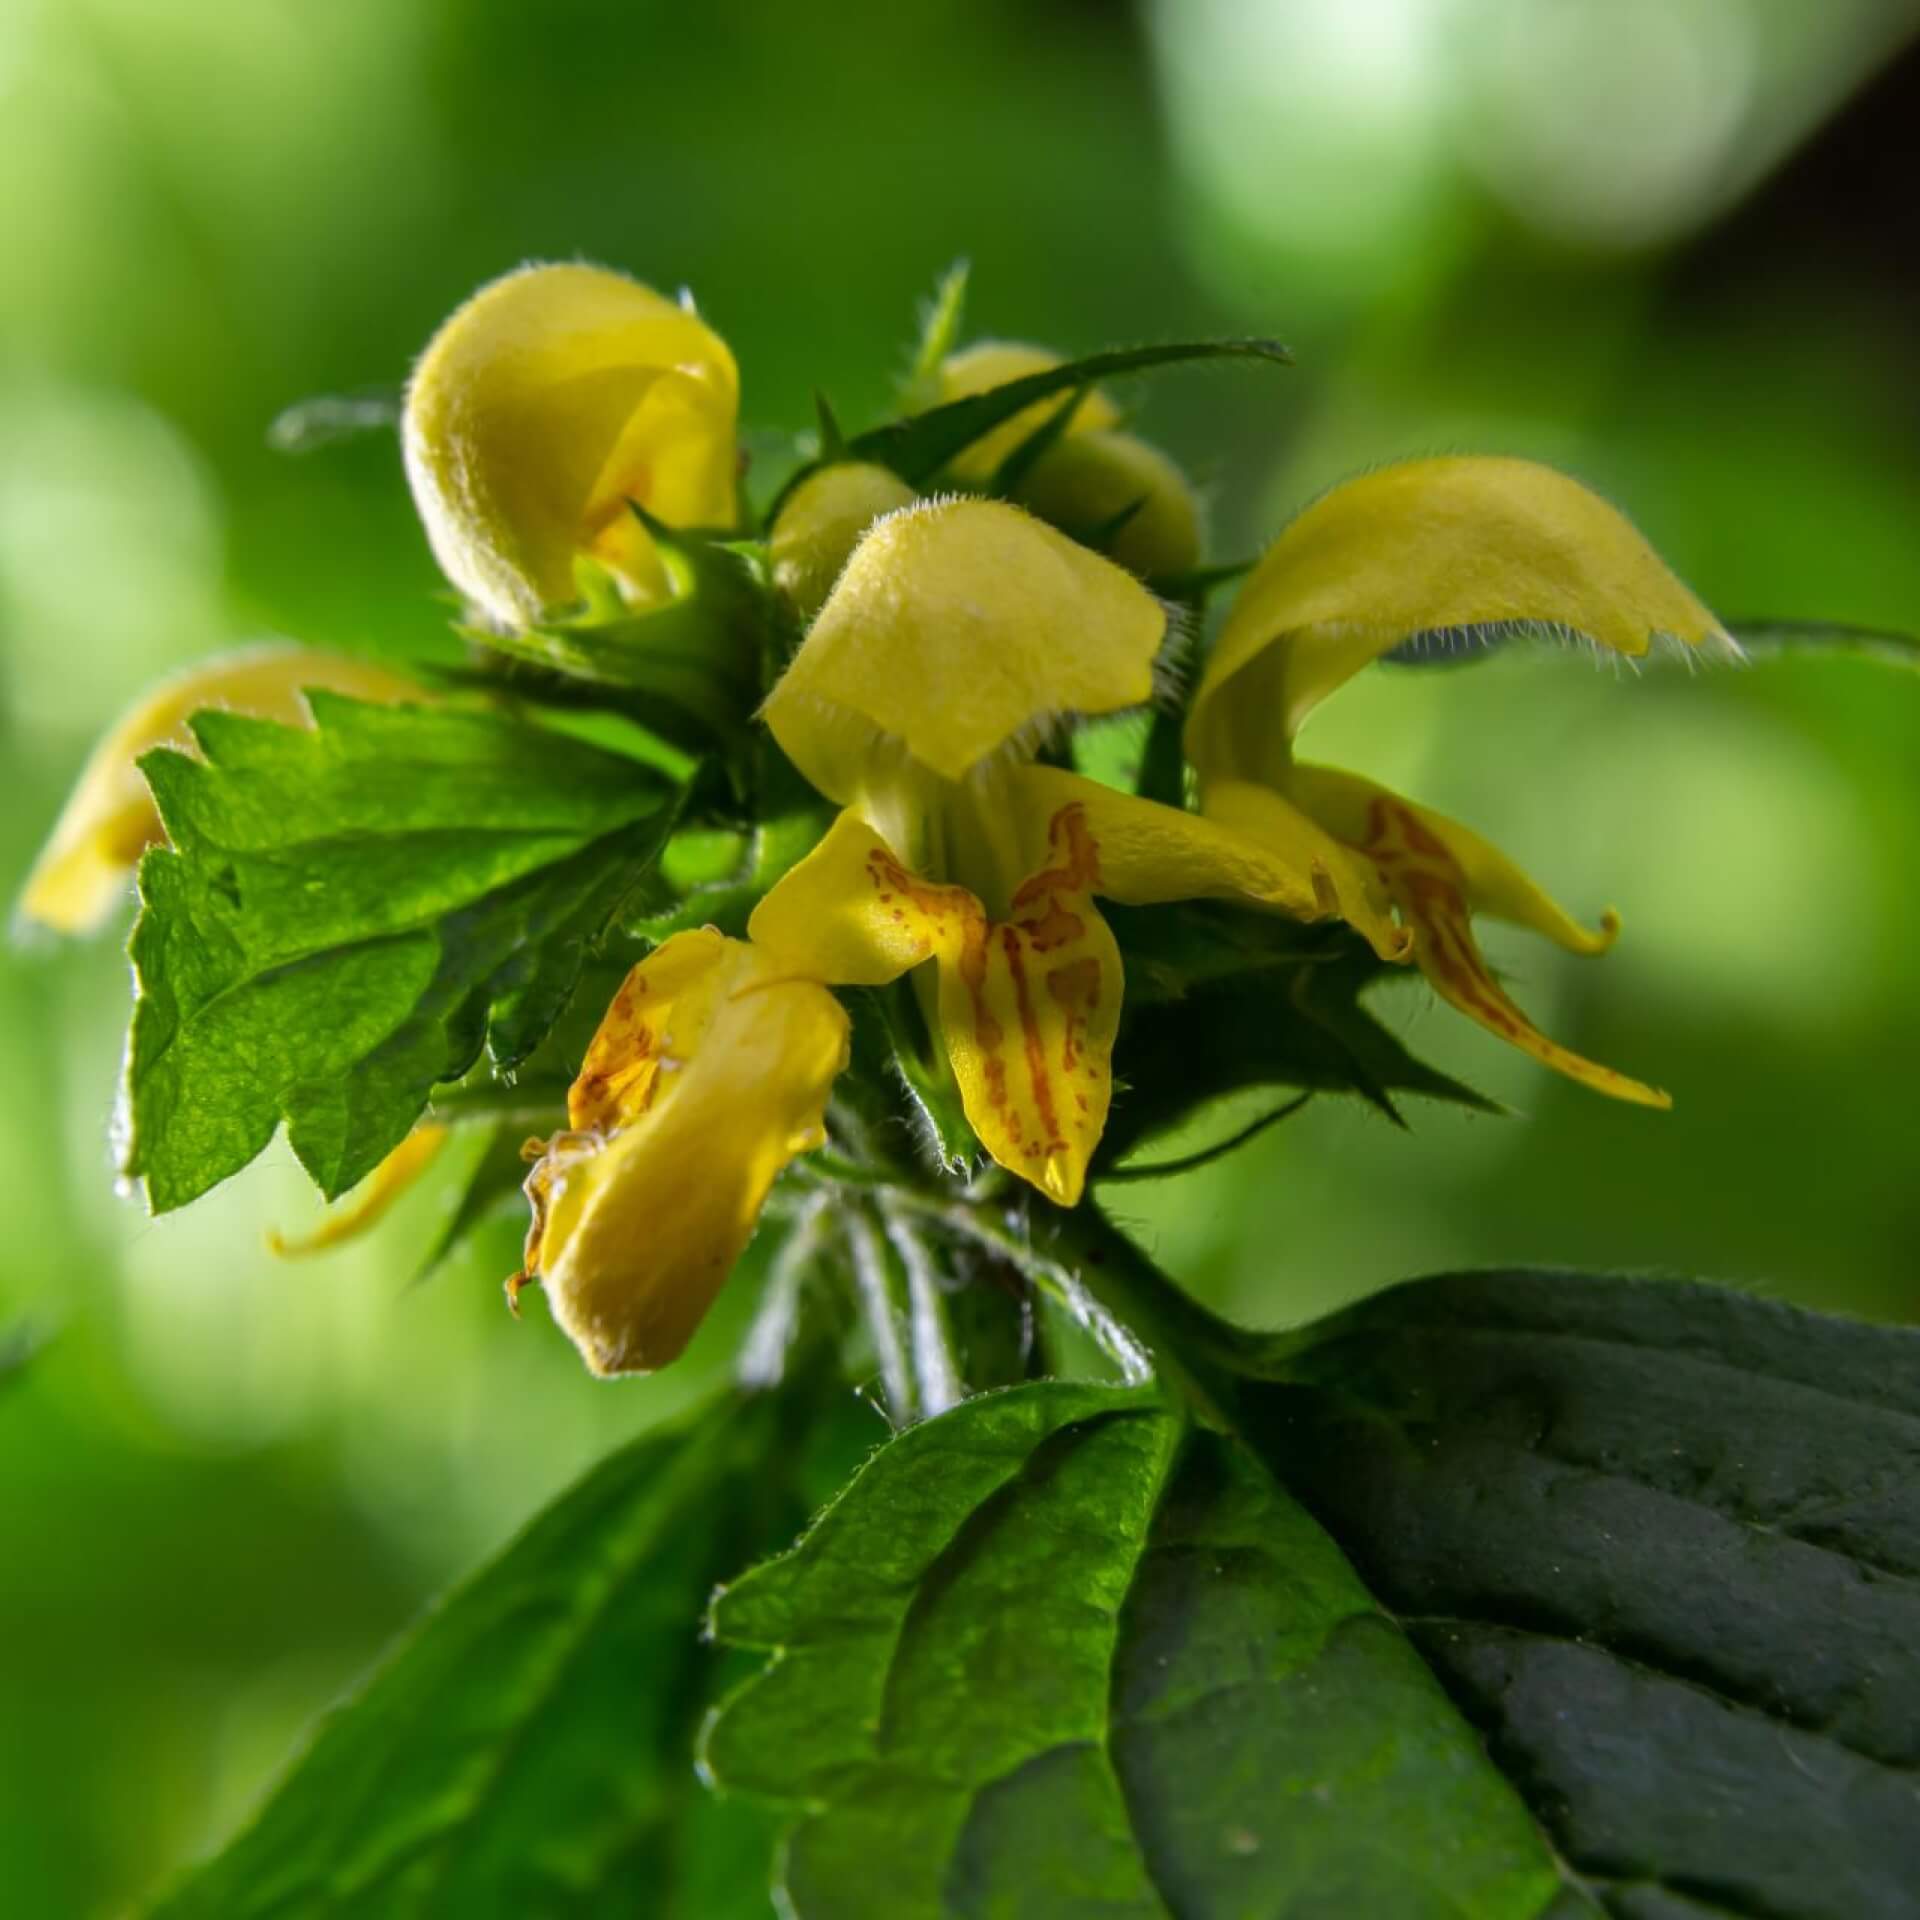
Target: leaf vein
(1775, 1717)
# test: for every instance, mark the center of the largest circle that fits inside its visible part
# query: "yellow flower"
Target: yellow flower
(709, 1073)
(1424, 547)
(109, 819)
(372, 1200)
(545, 405)
(958, 633)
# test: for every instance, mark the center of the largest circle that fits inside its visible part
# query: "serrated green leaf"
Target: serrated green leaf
(1055, 1654)
(918, 447)
(1662, 1542)
(526, 1753)
(346, 915)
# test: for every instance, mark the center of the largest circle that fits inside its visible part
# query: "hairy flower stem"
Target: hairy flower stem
(1141, 1317)
(1194, 1351)
(987, 1225)
(765, 1353)
(885, 1313)
(936, 1371)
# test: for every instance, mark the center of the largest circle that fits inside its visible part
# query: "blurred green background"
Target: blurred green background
(1670, 244)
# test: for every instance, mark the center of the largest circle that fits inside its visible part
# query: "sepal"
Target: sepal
(924, 444)
(689, 666)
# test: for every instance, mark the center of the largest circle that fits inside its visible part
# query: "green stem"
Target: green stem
(1102, 1277)
(823, 1167)
(1194, 1350)
(765, 1352)
(994, 1229)
(936, 1372)
(885, 1313)
(536, 1100)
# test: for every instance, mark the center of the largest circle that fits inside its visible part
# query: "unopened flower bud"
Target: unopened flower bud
(994, 363)
(822, 523)
(547, 407)
(1121, 495)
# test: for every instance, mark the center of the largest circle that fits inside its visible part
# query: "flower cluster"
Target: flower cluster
(570, 436)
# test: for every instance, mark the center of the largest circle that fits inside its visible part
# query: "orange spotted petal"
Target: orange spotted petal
(1430, 866)
(1251, 845)
(710, 1072)
(1344, 803)
(1028, 1006)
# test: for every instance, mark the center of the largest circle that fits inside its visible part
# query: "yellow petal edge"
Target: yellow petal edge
(957, 628)
(1027, 1007)
(109, 819)
(709, 1073)
(548, 401)
(1420, 547)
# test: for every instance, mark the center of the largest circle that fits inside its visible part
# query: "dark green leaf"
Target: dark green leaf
(1021, 459)
(1053, 1654)
(527, 1755)
(689, 669)
(918, 447)
(346, 916)
(833, 442)
(1262, 1003)
(1200, 585)
(1205, 1156)
(1162, 773)
(1662, 1542)
(1171, 951)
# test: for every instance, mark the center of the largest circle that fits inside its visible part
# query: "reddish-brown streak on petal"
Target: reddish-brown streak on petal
(1036, 1056)
(1076, 988)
